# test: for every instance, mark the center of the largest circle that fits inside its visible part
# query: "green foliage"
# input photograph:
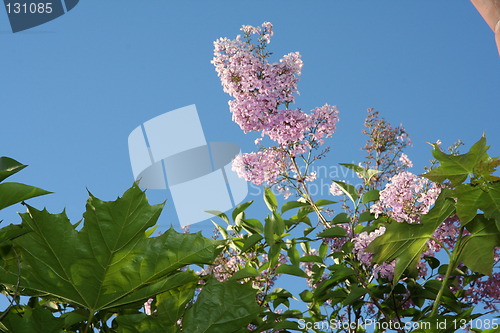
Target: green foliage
(38, 319)
(220, 307)
(407, 242)
(476, 164)
(110, 261)
(12, 193)
(481, 243)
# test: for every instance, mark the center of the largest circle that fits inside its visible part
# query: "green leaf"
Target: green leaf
(252, 225)
(323, 202)
(355, 294)
(9, 166)
(480, 244)
(270, 199)
(171, 304)
(292, 204)
(222, 230)
(333, 232)
(348, 190)
(306, 296)
(251, 241)
(241, 208)
(220, 214)
(341, 218)
(407, 242)
(143, 323)
(457, 168)
(110, 261)
(365, 217)
(366, 174)
(38, 319)
(12, 193)
(372, 195)
(269, 228)
(470, 198)
(312, 258)
(245, 272)
(291, 270)
(11, 232)
(221, 308)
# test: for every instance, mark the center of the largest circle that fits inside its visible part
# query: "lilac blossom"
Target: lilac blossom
(262, 91)
(361, 242)
(406, 197)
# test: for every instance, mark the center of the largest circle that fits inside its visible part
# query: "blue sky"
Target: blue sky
(74, 88)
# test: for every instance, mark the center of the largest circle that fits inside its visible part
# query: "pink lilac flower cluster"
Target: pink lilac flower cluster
(229, 262)
(361, 242)
(262, 92)
(486, 291)
(406, 197)
(260, 167)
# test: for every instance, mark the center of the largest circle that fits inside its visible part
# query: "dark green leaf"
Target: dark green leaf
(324, 202)
(9, 166)
(241, 208)
(333, 232)
(221, 308)
(292, 204)
(12, 193)
(372, 195)
(251, 241)
(291, 270)
(480, 244)
(109, 262)
(33, 320)
(457, 168)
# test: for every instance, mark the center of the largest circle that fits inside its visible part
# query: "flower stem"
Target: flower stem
(451, 267)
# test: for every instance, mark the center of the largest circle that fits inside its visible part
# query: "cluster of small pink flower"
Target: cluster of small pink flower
(361, 242)
(260, 167)
(406, 197)
(259, 89)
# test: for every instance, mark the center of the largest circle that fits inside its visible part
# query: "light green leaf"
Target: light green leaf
(366, 174)
(270, 199)
(348, 190)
